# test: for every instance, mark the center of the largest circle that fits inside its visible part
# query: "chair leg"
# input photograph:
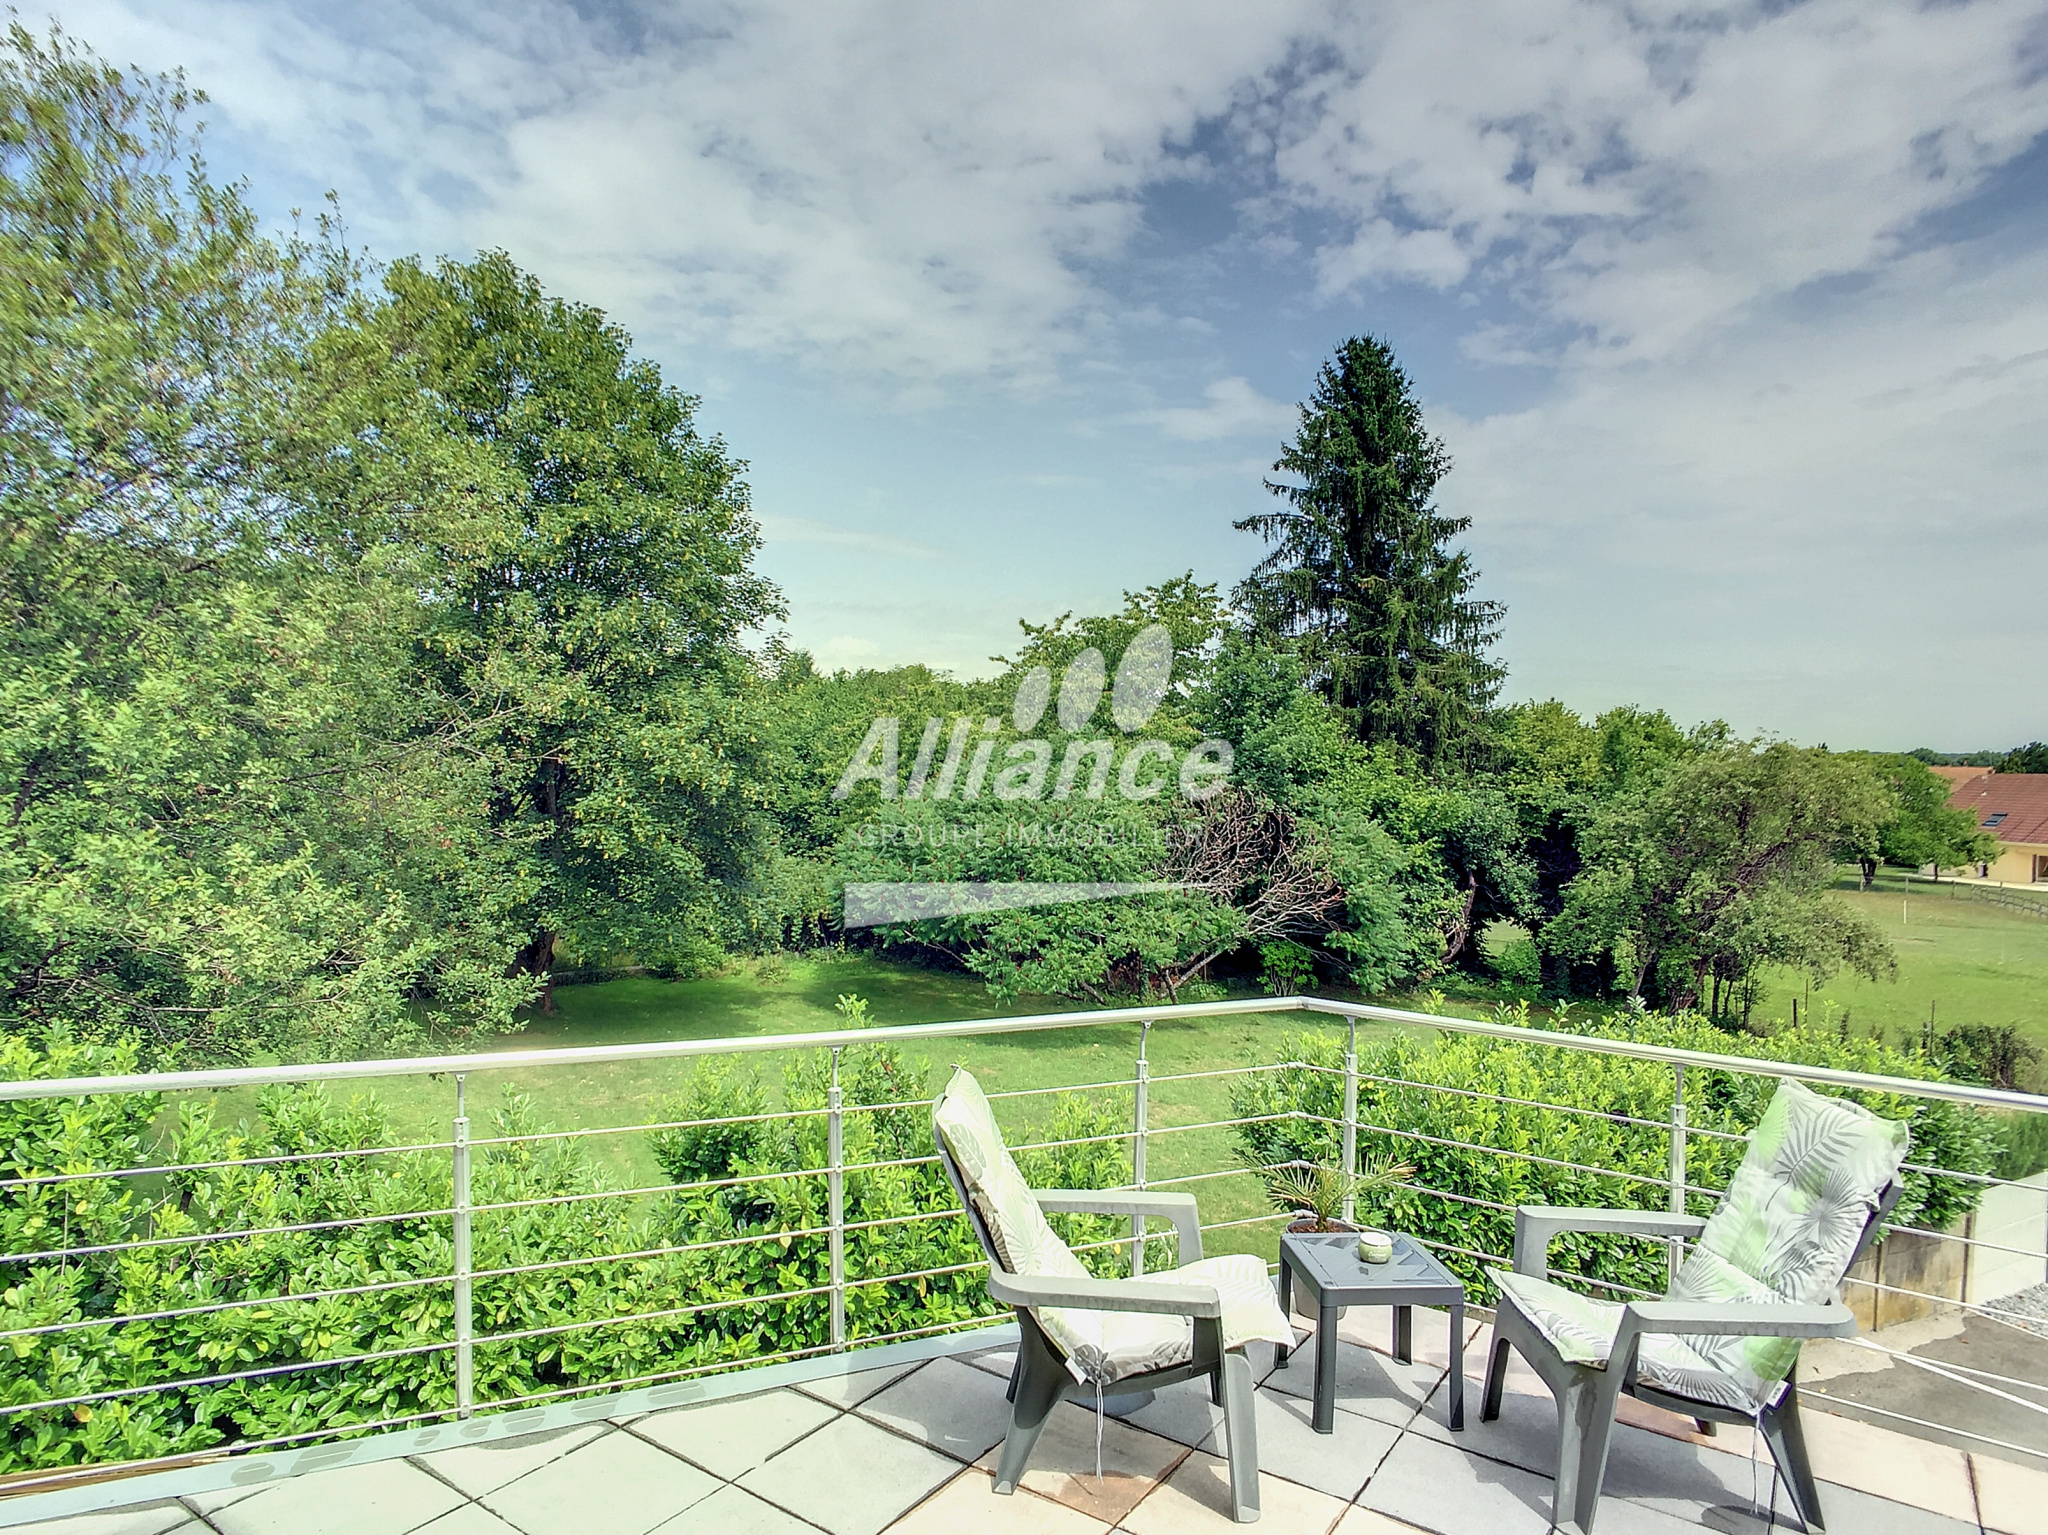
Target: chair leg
(1585, 1424)
(1040, 1384)
(1783, 1434)
(1241, 1436)
(1496, 1380)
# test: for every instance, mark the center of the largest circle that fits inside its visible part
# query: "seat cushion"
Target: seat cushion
(1582, 1330)
(1100, 1346)
(1107, 1346)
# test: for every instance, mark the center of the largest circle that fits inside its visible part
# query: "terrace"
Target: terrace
(855, 1432)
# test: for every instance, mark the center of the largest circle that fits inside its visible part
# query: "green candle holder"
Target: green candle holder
(1375, 1247)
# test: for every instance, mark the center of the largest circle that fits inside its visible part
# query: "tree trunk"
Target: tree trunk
(1869, 872)
(538, 958)
(1461, 926)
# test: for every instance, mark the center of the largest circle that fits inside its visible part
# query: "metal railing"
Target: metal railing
(458, 1346)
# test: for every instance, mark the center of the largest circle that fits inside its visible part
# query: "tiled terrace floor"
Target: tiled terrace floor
(905, 1450)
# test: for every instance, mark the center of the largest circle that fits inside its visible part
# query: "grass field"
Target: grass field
(797, 995)
(1972, 962)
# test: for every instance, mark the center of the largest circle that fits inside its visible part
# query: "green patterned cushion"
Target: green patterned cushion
(1784, 1232)
(1101, 1347)
(1582, 1330)
(1789, 1224)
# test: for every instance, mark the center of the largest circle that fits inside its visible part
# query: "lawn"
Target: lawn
(787, 995)
(1970, 961)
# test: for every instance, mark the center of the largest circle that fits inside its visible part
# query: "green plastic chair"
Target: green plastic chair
(1766, 1271)
(1080, 1337)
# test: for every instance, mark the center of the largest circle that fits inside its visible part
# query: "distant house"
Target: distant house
(2013, 807)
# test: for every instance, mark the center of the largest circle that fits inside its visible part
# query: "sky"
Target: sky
(1734, 316)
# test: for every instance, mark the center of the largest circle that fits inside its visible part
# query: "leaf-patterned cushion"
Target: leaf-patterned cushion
(1582, 1330)
(1784, 1232)
(1786, 1229)
(1101, 1347)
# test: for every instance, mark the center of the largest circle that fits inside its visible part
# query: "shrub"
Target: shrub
(571, 1293)
(1464, 1198)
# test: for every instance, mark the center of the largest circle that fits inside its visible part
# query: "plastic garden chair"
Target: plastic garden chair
(1079, 1336)
(1722, 1347)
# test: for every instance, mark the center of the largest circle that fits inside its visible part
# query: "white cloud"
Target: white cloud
(1234, 409)
(1637, 175)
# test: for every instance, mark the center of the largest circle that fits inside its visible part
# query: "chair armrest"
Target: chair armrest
(1736, 1319)
(1104, 1294)
(1178, 1208)
(1535, 1225)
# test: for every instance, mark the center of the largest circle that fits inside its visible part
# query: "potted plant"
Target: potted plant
(1314, 1193)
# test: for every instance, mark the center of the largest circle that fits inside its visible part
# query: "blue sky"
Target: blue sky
(1735, 316)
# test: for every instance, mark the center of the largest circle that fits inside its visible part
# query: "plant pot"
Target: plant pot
(1307, 1222)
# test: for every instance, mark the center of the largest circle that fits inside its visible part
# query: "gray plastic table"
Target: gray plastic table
(1327, 1263)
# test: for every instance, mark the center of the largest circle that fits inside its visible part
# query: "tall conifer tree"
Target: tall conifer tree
(1361, 575)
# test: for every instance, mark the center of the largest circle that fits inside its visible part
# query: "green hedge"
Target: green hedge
(1464, 1213)
(105, 1134)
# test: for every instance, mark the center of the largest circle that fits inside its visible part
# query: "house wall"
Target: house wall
(2014, 865)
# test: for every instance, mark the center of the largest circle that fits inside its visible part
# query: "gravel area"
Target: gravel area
(2026, 1308)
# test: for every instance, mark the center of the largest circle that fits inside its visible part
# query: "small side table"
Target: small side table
(1327, 1263)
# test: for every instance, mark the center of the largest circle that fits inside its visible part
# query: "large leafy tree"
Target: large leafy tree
(231, 822)
(1695, 879)
(595, 627)
(1921, 828)
(1362, 574)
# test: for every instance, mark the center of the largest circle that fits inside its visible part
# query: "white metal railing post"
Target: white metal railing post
(1141, 1113)
(465, 1313)
(835, 1194)
(1350, 1119)
(1677, 1256)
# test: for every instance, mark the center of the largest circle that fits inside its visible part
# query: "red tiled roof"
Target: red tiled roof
(1958, 776)
(2021, 797)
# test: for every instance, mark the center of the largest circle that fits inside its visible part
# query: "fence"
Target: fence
(646, 1282)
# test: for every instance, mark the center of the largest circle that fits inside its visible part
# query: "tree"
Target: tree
(1361, 575)
(596, 622)
(1694, 880)
(1921, 829)
(2031, 758)
(232, 822)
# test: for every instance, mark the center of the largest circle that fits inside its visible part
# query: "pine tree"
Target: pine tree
(1361, 575)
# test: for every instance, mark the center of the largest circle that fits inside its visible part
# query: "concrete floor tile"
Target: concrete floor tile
(1888, 1465)
(997, 1361)
(481, 1468)
(1370, 1521)
(851, 1390)
(948, 1405)
(734, 1511)
(1368, 1383)
(1196, 1498)
(731, 1437)
(1337, 1462)
(388, 1496)
(1373, 1327)
(1182, 1413)
(851, 1477)
(1860, 1513)
(2011, 1499)
(1440, 1487)
(470, 1519)
(137, 1519)
(1062, 1464)
(969, 1503)
(616, 1485)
